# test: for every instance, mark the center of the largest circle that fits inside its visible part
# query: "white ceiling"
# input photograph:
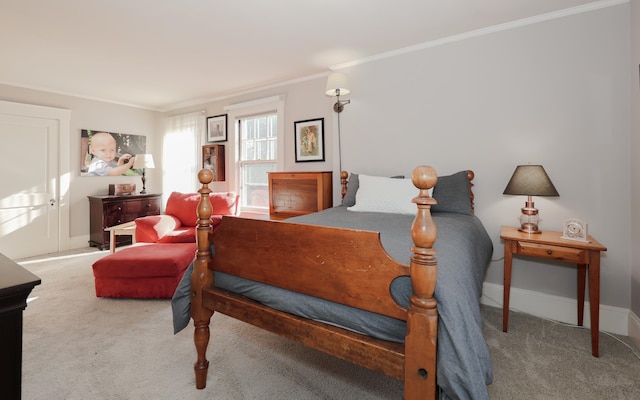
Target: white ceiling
(163, 54)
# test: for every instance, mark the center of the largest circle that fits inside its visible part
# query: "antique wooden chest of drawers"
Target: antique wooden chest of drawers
(299, 193)
(15, 285)
(106, 211)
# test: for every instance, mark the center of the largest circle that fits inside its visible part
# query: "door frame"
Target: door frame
(63, 117)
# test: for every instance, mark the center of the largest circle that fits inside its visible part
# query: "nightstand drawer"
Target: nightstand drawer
(568, 254)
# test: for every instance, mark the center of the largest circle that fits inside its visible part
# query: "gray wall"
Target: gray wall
(554, 93)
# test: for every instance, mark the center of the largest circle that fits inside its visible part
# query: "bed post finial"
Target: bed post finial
(422, 316)
(201, 278)
(343, 183)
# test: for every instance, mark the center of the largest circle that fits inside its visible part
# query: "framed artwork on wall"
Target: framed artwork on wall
(105, 153)
(217, 128)
(309, 137)
(213, 160)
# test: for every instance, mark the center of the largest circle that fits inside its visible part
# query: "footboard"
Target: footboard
(346, 266)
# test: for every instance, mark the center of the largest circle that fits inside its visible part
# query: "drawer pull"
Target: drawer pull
(549, 252)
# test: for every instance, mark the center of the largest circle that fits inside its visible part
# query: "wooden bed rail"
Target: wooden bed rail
(415, 362)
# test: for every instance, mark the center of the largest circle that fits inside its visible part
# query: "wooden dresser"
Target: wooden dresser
(107, 211)
(299, 193)
(15, 285)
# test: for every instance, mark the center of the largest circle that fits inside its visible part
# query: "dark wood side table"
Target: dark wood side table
(551, 245)
(15, 285)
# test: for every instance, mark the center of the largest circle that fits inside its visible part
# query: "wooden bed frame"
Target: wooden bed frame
(341, 265)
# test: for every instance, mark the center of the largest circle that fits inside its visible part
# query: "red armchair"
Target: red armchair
(177, 224)
(154, 269)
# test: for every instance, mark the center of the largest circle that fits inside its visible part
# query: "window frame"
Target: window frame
(271, 163)
(236, 112)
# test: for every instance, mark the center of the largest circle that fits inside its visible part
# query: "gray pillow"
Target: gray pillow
(349, 199)
(452, 193)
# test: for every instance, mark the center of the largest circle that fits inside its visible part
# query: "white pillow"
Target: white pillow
(387, 195)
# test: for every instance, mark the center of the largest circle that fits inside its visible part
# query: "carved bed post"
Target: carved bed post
(201, 278)
(422, 317)
(343, 183)
(470, 176)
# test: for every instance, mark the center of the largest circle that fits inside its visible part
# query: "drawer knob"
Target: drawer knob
(549, 252)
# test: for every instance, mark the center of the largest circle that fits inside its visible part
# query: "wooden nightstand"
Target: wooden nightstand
(549, 244)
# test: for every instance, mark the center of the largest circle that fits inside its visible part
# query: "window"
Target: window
(179, 164)
(258, 153)
(257, 148)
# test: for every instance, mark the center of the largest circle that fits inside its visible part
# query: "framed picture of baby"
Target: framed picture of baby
(109, 154)
(309, 140)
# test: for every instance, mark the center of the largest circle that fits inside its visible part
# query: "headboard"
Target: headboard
(344, 175)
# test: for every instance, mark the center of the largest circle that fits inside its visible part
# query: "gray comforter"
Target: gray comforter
(463, 250)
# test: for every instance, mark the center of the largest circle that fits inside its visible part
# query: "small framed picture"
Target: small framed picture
(217, 128)
(309, 136)
(213, 160)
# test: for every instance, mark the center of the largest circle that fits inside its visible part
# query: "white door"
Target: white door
(29, 218)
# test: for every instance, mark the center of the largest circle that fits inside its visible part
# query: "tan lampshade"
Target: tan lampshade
(143, 161)
(530, 180)
(337, 81)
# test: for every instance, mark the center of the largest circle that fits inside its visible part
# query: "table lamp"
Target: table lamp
(530, 180)
(143, 161)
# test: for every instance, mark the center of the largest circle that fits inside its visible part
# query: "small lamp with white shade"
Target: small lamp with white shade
(143, 161)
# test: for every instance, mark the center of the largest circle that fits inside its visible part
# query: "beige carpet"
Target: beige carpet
(77, 346)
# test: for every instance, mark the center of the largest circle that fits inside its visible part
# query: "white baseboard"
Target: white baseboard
(634, 329)
(78, 242)
(612, 319)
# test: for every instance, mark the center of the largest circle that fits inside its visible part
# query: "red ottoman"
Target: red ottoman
(143, 271)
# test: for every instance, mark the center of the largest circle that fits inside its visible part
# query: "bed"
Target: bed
(373, 288)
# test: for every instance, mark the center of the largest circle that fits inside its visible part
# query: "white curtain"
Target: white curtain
(180, 154)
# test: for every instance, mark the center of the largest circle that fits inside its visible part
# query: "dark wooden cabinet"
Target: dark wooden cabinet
(106, 211)
(15, 285)
(299, 193)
